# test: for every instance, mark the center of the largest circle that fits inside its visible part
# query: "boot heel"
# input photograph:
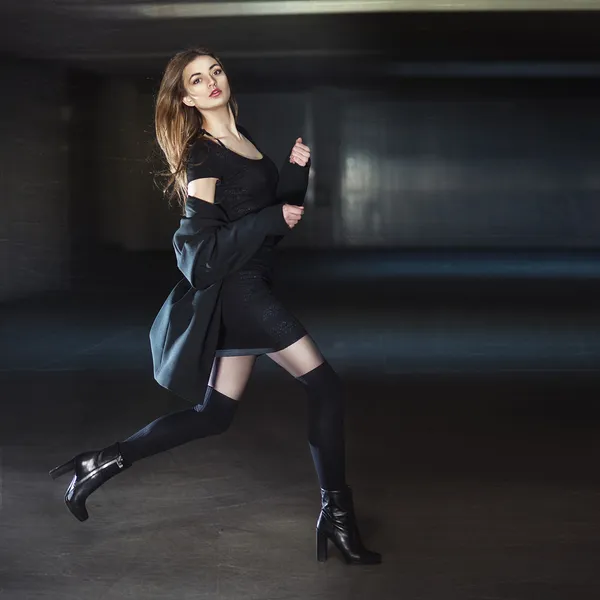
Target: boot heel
(337, 522)
(67, 467)
(321, 546)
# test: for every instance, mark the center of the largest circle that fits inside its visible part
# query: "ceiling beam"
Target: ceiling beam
(186, 10)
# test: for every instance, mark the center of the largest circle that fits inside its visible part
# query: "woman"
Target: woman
(223, 314)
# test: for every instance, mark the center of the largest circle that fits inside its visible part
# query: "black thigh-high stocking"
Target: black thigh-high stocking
(326, 425)
(211, 417)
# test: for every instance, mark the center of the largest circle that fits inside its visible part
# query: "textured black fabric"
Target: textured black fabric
(326, 425)
(253, 319)
(184, 334)
(211, 417)
(208, 247)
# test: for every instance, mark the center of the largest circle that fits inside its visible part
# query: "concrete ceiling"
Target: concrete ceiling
(291, 39)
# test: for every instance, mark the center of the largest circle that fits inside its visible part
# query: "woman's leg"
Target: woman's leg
(305, 362)
(337, 521)
(212, 416)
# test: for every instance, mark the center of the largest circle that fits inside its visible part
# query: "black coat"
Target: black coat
(185, 332)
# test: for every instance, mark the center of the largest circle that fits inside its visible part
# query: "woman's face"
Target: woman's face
(206, 84)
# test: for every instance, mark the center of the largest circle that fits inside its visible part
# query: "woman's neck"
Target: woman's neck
(220, 123)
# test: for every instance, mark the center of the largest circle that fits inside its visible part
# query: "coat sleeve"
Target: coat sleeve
(208, 247)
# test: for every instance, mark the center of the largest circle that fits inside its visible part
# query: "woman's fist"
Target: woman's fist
(300, 153)
(292, 214)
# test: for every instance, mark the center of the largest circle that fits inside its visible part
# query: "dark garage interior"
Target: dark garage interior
(447, 266)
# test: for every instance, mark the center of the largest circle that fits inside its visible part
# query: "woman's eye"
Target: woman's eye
(217, 71)
(195, 81)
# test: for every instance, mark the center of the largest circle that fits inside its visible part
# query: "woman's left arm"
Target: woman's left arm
(293, 176)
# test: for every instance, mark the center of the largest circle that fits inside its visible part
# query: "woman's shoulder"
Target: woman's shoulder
(205, 152)
(202, 146)
(205, 159)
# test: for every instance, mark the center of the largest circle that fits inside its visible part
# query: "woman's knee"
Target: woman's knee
(219, 409)
(323, 379)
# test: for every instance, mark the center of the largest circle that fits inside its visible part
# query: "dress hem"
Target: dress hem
(256, 351)
(244, 351)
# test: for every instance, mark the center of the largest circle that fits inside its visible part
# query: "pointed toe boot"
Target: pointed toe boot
(91, 469)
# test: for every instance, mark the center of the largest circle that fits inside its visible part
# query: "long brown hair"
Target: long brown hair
(178, 125)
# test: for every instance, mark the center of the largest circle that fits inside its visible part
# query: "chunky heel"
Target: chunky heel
(92, 469)
(67, 467)
(321, 546)
(338, 523)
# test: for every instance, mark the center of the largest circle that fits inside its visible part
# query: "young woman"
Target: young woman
(223, 314)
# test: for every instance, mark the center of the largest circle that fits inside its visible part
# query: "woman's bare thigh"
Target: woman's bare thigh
(230, 374)
(300, 357)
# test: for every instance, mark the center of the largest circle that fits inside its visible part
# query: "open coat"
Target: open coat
(185, 332)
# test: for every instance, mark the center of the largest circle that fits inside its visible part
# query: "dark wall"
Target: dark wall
(494, 163)
(415, 162)
(34, 178)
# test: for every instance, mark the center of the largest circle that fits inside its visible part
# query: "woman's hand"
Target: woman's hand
(300, 153)
(292, 214)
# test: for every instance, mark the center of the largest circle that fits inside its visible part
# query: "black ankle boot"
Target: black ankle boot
(91, 469)
(338, 523)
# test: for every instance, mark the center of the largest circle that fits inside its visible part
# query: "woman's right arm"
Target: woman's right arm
(203, 188)
(208, 247)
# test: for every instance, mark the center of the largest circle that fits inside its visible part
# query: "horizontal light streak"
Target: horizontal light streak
(183, 10)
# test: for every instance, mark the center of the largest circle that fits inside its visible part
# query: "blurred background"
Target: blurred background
(452, 129)
(454, 151)
(448, 266)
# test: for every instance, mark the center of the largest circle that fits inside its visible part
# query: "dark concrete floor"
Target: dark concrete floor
(472, 429)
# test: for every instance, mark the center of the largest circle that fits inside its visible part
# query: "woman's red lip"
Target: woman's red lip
(215, 92)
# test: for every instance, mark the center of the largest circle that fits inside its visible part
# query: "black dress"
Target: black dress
(253, 320)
